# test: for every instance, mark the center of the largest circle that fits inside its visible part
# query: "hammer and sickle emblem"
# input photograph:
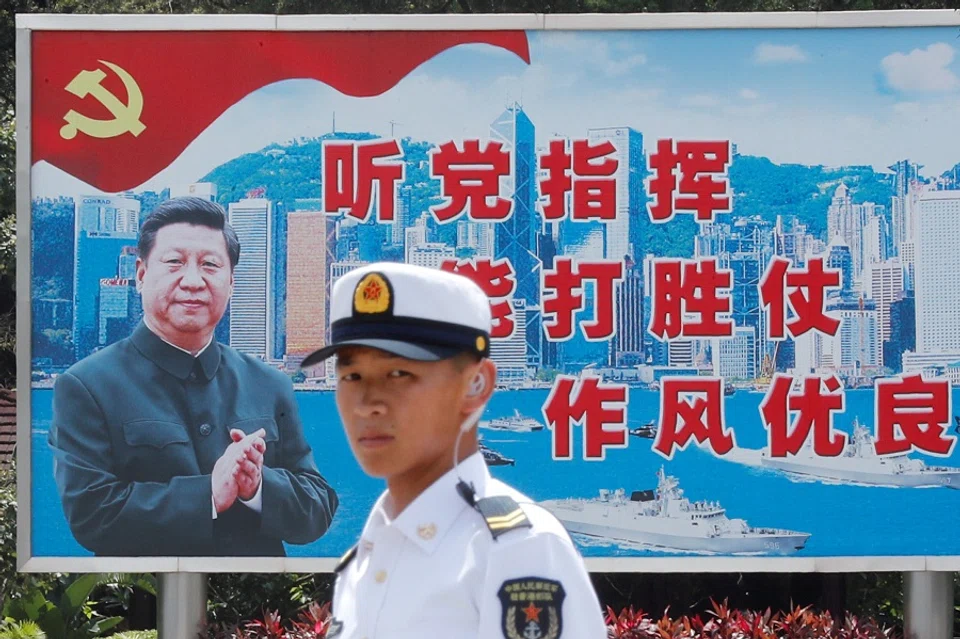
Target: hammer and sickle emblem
(126, 117)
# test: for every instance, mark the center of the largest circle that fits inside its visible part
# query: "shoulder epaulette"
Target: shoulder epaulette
(502, 514)
(346, 559)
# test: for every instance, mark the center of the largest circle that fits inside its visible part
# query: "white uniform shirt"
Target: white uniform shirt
(437, 571)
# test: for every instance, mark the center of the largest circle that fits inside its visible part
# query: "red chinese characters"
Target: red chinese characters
(816, 410)
(562, 296)
(498, 281)
(806, 299)
(597, 406)
(683, 289)
(699, 190)
(692, 407)
(913, 414)
(593, 183)
(470, 179)
(352, 169)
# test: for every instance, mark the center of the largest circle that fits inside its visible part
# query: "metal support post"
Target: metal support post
(928, 605)
(182, 605)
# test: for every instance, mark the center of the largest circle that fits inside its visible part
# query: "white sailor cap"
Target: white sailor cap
(412, 311)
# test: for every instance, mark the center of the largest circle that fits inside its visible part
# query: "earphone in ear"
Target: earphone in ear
(478, 385)
(469, 422)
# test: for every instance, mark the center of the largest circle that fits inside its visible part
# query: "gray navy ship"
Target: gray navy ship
(860, 464)
(664, 518)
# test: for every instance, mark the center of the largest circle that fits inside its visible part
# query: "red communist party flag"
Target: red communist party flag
(115, 108)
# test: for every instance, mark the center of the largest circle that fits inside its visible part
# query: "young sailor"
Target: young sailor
(447, 551)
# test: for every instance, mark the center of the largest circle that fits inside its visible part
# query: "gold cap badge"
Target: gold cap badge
(372, 295)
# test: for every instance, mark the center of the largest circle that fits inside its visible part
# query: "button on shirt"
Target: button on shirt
(436, 571)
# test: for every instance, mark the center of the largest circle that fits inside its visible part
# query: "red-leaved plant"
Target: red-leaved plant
(312, 623)
(720, 622)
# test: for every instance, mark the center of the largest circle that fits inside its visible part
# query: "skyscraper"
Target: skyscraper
(628, 342)
(885, 287)
(839, 257)
(856, 346)
(937, 265)
(105, 229)
(680, 352)
(510, 354)
(403, 216)
(623, 236)
(847, 221)
(307, 270)
(792, 242)
(120, 310)
(431, 254)
(516, 237)
(128, 263)
(735, 357)
(854, 349)
(277, 271)
(745, 249)
(903, 331)
(251, 308)
(906, 175)
(876, 236)
(415, 236)
(205, 190)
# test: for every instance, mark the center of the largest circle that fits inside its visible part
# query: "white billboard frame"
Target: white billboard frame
(26, 24)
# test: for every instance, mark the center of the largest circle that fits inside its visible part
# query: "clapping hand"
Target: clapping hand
(250, 467)
(238, 471)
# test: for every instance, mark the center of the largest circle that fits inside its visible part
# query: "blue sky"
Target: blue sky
(830, 96)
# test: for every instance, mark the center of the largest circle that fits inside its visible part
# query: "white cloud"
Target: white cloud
(754, 109)
(922, 69)
(566, 40)
(703, 100)
(775, 53)
(749, 94)
(907, 108)
(615, 67)
(613, 60)
(932, 116)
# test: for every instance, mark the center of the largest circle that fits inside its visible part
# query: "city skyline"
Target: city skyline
(747, 245)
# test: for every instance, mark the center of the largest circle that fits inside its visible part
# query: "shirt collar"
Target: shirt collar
(431, 515)
(173, 359)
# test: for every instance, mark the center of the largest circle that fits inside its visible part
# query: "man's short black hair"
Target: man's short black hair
(188, 210)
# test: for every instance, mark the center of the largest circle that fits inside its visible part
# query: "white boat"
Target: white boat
(860, 463)
(664, 518)
(516, 423)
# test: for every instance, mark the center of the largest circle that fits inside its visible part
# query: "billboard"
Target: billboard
(718, 250)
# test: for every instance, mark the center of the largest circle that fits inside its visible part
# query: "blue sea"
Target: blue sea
(843, 520)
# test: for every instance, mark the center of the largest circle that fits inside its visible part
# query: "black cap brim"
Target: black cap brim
(420, 352)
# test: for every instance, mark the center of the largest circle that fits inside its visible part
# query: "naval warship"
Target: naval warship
(664, 518)
(516, 423)
(859, 463)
